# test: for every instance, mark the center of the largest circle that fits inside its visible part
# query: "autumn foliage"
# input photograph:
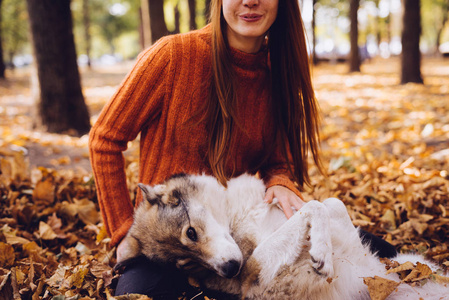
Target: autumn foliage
(388, 159)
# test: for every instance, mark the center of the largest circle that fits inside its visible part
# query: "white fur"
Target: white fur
(333, 241)
(316, 254)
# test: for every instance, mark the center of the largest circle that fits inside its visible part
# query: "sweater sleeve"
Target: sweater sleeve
(137, 101)
(276, 172)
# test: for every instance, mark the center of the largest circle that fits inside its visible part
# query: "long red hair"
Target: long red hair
(295, 108)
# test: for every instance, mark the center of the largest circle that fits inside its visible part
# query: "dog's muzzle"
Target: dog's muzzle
(230, 268)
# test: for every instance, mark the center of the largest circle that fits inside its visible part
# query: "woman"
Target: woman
(233, 97)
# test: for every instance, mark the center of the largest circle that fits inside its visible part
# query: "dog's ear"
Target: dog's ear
(152, 194)
(129, 249)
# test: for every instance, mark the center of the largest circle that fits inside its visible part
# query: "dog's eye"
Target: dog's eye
(191, 234)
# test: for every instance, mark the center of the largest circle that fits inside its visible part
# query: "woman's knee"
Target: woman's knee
(152, 279)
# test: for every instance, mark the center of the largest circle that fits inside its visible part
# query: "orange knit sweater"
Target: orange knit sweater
(166, 87)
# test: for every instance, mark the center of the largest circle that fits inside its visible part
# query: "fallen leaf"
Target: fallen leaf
(421, 271)
(44, 192)
(7, 256)
(6, 290)
(84, 209)
(440, 279)
(58, 278)
(389, 220)
(98, 269)
(407, 266)
(46, 232)
(380, 288)
(77, 279)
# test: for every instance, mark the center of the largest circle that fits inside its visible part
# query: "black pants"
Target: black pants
(144, 277)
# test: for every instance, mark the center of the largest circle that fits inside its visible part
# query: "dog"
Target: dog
(231, 241)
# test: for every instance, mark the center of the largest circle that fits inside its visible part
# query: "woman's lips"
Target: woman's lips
(251, 17)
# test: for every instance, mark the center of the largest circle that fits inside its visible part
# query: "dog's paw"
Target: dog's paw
(321, 260)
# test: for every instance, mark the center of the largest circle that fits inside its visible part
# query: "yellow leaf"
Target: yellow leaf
(440, 279)
(77, 278)
(380, 288)
(404, 267)
(12, 239)
(425, 218)
(362, 223)
(418, 226)
(421, 271)
(389, 220)
(102, 234)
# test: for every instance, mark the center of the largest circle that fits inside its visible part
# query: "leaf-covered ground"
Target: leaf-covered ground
(386, 147)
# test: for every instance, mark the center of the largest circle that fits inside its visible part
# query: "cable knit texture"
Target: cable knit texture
(166, 87)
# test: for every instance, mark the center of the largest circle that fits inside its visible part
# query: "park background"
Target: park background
(380, 72)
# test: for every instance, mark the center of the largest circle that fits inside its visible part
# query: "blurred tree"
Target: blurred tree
(157, 19)
(14, 28)
(314, 57)
(411, 31)
(389, 24)
(354, 57)
(377, 24)
(87, 35)
(61, 107)
(444, 4)
(192, 13)
(207, 11)
(2, 62)
(145, 27)
(113, 23)
(105, 26)
(177, 19)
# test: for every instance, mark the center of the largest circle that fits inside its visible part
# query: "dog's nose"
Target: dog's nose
(231, 268)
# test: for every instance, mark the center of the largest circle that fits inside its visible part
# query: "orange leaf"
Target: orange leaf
(7, 256)
(44, 192)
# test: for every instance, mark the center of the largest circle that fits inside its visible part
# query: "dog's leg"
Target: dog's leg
(343, 232)
(310, 225)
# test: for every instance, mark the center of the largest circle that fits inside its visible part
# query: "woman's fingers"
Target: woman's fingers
(286, 198)
(287, 208)
(269, 195)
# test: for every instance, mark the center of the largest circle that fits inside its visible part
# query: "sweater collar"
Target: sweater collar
(249, 61)
(240, 59)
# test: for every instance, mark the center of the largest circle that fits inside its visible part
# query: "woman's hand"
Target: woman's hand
(286, 198)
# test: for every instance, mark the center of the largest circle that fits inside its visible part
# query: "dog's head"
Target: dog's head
(173, 224)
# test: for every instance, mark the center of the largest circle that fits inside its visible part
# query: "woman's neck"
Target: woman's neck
(244, 44)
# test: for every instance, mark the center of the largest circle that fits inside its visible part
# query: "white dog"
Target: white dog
(252, 250)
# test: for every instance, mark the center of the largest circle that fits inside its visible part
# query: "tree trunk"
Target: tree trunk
(389, 25)
(314, 57)
(207, 12)
(445, 8)
(354, 57)
(177, 19)
(87, 35)
(411, 31)
(145, 24)
(61, 108)
(378, 27)
(192, 13)
(2, 62)
(157, 20)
